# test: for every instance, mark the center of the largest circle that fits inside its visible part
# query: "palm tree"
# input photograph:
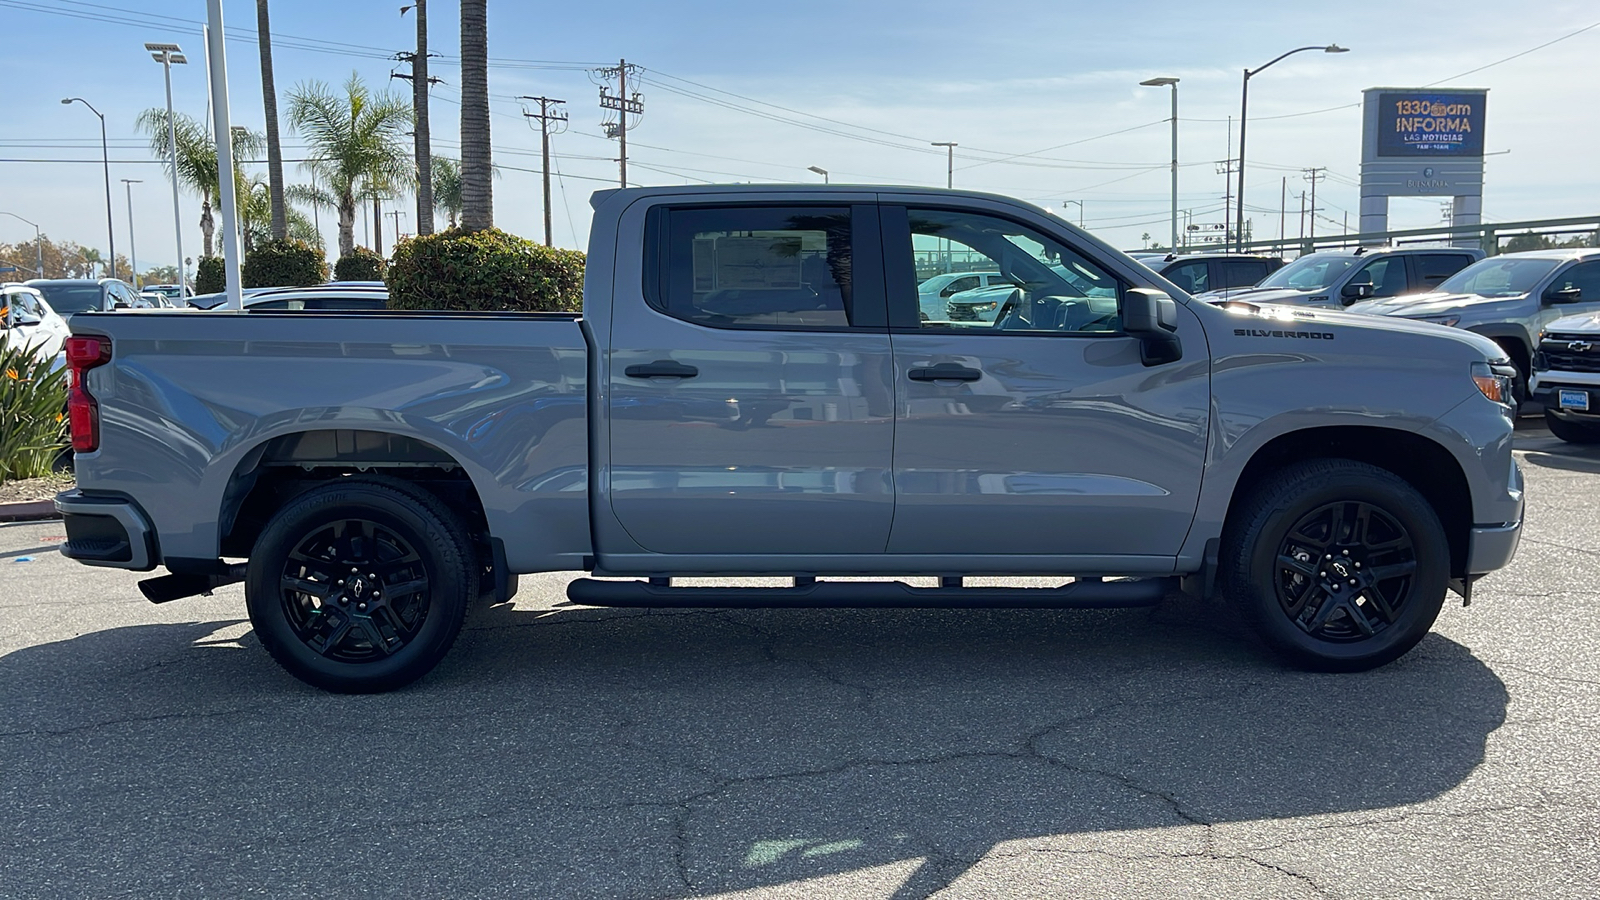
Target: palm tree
(355, 139)
(197, 159)
(255, 217)
(447, 187)
(269, 100)
(477, 187)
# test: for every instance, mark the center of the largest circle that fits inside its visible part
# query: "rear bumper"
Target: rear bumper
(106, 531)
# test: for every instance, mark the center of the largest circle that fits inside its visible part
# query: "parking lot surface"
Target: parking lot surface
(571, 752)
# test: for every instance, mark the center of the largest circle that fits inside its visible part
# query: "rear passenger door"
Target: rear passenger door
(1428, 269)
(1237, 273)
(748, 390)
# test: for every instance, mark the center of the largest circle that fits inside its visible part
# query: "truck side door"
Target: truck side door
(749, 390)
(1041, 431)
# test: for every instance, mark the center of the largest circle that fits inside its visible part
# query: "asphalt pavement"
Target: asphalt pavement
(571, 752)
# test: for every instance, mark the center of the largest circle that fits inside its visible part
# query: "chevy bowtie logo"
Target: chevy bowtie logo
(1580, 346)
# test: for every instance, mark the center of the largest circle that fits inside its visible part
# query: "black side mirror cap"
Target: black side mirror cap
(1358, 290)
(1152, 317)
(1563, 295)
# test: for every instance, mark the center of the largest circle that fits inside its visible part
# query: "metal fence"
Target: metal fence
(1490, 236)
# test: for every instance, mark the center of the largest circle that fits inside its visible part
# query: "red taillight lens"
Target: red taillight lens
(83, 413)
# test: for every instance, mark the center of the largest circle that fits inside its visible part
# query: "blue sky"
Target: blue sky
(891, 76)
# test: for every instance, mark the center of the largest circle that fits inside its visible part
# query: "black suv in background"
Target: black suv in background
(1199, 272)
(68, 296)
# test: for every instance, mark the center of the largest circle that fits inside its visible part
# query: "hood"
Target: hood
(1260, 295)
(1589, 323)
(1414, 306)
(1301, 317)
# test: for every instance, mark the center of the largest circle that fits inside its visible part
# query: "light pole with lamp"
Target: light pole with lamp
(1244, 105)
(38, 239)
(1173, 82)
(1080, 210)
(105, 158)
(170, 55)
(820, 171)
(133, 251)
(950, 161)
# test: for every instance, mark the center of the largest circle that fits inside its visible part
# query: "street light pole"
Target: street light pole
(820, 171)
(105, 158)
(1080, 210)
(1173, 82)
(133, 252)
(950, 161)
(170, 55)
(38, 239)
(1244, 105)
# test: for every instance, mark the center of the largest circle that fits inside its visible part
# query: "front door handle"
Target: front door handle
(945, 372)
(661, 368)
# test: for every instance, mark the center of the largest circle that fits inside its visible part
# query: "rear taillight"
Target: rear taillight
(83, 413)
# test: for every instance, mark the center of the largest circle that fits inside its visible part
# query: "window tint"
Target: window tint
(1583, 276)
(1045, 286)
(1191, 276)
(959, 285)
(67, 299)
(758, 267)
(1433, 268)
(1242, 272)
(1388, 276)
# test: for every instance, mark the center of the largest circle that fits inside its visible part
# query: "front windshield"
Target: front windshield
(1312, 272)
(1499, 277)
(67, 299)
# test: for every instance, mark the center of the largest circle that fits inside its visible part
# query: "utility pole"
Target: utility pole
(1283, 208)
(950, 162)
(421, 145)
(548, 113)
(397, 214)
(133, 252)
(1314, 176)
(1302, 216)
(1225, 169)
(625, 104)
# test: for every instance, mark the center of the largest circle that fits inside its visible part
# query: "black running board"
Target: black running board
(1091, 594)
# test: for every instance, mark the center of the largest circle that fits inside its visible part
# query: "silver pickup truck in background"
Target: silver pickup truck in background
(752, 389)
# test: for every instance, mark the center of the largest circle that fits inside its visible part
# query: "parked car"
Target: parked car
(1198, 273)
(28, 319)
(991, 303)
(335, 295)
(177, 295)
(933, 293)
(70, 296)
(1334, 279)
(1566, 378)
(750, 390)
(1509, 299)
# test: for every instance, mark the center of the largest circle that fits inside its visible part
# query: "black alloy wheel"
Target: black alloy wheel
(1339, 565)
(361, 584)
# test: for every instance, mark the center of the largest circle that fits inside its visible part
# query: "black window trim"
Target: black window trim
(866, 258)
(895, 220)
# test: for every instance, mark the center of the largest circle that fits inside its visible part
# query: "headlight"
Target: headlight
(1440, 320)
(1491, 384)
(984, 307)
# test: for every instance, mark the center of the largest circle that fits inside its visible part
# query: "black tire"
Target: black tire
(334, 628)
(1571, 432)
(1340, 566)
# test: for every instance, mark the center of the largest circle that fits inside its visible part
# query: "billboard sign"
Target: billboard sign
(1430, 124)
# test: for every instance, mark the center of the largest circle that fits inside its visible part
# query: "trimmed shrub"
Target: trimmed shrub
(360, 264)
(284, 263)
(33, 428)
(209, 276)
(487, 271)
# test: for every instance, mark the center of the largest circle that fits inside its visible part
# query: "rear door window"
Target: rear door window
(1191, 276)
(1433, 268)
(1241, 272)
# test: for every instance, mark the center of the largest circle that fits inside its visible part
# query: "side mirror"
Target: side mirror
(1563, 295)
(1357, 290)
(1152, 317)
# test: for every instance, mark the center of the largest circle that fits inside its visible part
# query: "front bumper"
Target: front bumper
(106, 531)
(1491, 548)
(1546, 389)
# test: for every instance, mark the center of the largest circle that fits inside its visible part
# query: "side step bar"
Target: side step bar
(1083, 594)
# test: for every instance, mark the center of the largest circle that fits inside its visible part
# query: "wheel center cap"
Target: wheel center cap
(1340, 567)
(358, 588)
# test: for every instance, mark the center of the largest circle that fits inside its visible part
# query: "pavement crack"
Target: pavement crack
(131, 720)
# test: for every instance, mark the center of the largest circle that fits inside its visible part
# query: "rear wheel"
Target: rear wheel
(1572, 432)
(360, 585)
(1339, 565)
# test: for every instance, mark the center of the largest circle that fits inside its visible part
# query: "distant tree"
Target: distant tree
(355, 139)
(197, 160)
(447, 187)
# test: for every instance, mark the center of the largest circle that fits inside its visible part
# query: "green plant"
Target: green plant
(489, 271)
(284, 263)
(360, 264)
(33, 428)
(209, 276)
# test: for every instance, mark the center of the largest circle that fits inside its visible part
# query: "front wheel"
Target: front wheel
(360, 585)
(1339, 565)
(1572, 432)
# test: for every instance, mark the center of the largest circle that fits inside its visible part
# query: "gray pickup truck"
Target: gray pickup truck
(750, 390)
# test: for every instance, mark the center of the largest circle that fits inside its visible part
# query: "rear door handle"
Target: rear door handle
(945, 372)
(661, 368)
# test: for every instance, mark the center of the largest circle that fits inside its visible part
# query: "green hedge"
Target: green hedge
(487, 271)
(284, 263)
(360, 264)
(209, 276)
(33, 429)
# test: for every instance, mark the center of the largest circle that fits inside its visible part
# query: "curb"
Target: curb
(28, 510)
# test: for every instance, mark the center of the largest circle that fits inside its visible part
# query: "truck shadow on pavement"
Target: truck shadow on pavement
(577, 752)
